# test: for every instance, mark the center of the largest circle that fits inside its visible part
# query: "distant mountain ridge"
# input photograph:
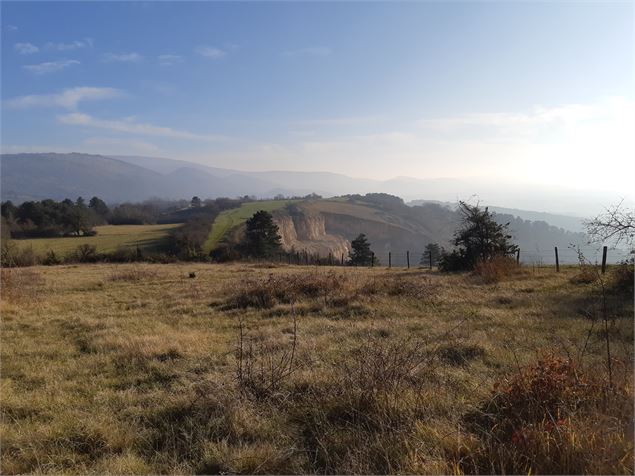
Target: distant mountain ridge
(116, 179)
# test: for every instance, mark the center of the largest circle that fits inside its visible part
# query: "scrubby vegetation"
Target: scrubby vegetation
(479, 242)
(195, 368)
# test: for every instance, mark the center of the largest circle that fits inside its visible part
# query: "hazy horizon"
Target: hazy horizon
(532, 94)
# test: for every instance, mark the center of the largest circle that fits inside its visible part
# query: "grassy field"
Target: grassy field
(195, 368)
(108, 239)
(229, 219)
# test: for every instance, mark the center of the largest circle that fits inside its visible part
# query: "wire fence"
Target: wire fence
(419, 258)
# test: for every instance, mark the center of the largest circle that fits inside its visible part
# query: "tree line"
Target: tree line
(48, 218)
(51, 218)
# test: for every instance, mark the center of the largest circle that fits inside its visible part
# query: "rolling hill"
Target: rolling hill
(327, 226)
(129, 178)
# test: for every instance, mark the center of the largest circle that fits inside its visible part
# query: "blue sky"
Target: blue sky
(529, 91)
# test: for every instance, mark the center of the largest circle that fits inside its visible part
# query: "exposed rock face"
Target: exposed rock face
(307, 231)
(303, 229)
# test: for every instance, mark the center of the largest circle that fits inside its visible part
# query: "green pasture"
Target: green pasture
(229, 219)
(107, 239)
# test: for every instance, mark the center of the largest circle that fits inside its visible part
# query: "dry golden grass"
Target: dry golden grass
(132, 369)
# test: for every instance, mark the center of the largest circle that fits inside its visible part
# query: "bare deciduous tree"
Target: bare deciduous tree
(616, 223)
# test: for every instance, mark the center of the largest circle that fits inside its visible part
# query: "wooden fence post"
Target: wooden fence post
(518, 256)
(557, 262)
(604, 250)
(389, 259)
(408, 259)
(342, 259)
(430, 255)
(372, 259)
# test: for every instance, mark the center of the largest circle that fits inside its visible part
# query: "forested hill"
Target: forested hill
(536, 239)
(324, 226)
(568, 222)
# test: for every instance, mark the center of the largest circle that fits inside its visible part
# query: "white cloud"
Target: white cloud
(68, 98)
(74, 45)
(131, 57)
(12, 28)
(49, 67)
(512, 123)
(130, 126)
(25, 48)
(169, 60)
(311, 51)
(211, 52)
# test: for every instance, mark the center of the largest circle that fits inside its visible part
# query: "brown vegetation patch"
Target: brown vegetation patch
(549, 417)
(496, 269)
(460, 354)
(621, 279)
(328, 289)
(587, 275)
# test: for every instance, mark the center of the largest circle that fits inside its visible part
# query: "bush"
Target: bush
(224, 253)
(124, 254)
(452, 262)
(11, 255)
(188, 240)
(622, 279)
(587, 275)
(495, 269)
(266, 293)
(479, 238)
(85, 254)
(51, 259)
(551, 417)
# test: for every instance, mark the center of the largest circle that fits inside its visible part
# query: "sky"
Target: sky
(534, 92)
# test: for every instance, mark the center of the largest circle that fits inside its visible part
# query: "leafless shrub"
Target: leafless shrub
(362, 418)
(14, 256)
(616, 224)
(380, 366)
(84, 253)
(20, 284)
(261, 366)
